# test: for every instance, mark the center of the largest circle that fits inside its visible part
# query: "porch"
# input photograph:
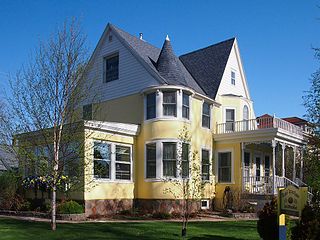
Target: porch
(271, 153)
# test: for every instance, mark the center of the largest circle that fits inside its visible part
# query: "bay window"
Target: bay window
(102, 160)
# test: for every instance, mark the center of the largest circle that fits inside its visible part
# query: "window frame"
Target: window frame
(226, 121)
(184, 106)
(176, 174)
(103, 160)
(175, 104)
(207, 116)
(105, 59)
(233, 77)
(113, 162)
(155, 106)
(146, 160)
(231, 151)
(208, 164)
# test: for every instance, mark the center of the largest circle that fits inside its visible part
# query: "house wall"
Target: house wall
(105, 197)
(132, 75)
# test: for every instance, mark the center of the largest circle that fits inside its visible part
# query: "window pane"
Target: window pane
(205, 165)
(169, 97)
(169, 110)
(112, 68)
(224, 166)
(185, 99)
(151, 105)
(102, 151)
(205, 121)
(185, 160)
(169, 160)
(230, 115)
(101, 169)
(123, 171)
(206, 115)
(151, 160)
(87, 112)
(185, 105)
(206, 109)
(169, 104)
(123, 153)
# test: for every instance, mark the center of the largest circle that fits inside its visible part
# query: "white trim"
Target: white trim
(231, 150)
(112, 178)
(207, 204)
(125, 128)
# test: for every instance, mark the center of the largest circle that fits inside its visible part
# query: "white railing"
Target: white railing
(255, 124)
(258, 185)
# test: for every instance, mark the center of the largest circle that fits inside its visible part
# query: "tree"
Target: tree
(190, 187)
(46, 96)
(312, 105)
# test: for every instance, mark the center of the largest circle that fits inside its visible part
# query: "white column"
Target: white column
(274, 144)
(179, 103)
(242, 165)
(283, 145)
(301, 165)
(294, 163)
(159, 97)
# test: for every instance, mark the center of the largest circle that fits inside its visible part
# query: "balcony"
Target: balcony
(258, 124)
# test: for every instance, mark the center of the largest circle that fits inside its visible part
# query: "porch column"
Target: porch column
(294, 163)
(301, 165)
(274, 144)
(283, 145)
(242, 165)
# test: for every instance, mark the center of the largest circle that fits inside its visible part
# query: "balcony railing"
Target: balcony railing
(258, 123)
(258, 185)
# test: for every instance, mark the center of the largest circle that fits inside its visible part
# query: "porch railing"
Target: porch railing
(258, 123)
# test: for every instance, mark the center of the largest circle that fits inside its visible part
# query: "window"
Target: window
(102, 160)
(151, 105)
(230, 119)
(111, 68)
(205, 204)
(185, 160)
(224, 167)
(151, 160)
(233, 78)
(206, 115)
(205, 165)
(245, 118)
(169, 159)
(185, 106)
(267, 166)
(87, 112)
(123, 162)
(169, 104)
(246, 166)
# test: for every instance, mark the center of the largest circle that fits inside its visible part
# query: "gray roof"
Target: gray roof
(150, 55)
(8, 158)
(200, 70)
(207, 65)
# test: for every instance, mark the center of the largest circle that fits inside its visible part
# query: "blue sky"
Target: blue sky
(275, 37)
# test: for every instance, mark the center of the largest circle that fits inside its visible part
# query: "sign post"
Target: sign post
(291, 201)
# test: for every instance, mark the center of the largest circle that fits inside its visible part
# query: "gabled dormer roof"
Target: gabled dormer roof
(207, 65)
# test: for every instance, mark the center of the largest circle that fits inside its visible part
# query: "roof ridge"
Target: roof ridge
(212, 45)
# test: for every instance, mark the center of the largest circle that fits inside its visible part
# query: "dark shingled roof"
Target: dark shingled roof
(150, 55)
(207, 65)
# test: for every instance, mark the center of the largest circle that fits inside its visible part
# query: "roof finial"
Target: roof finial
(167, 38)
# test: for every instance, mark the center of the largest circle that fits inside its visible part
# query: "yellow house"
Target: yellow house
(146, 97)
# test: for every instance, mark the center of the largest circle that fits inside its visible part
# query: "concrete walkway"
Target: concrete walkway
(202, 218)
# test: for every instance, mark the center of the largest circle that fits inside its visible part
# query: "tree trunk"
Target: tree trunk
(53, 208)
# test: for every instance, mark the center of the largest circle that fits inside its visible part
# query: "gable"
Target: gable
(234, 64)
(133, 76)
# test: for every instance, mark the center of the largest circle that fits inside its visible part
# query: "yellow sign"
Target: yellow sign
(293, 199)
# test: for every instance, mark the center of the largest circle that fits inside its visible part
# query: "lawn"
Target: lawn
(16, 229)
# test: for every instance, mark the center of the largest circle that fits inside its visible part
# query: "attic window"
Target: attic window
(111, 67)
(233, 78)
(110, 38)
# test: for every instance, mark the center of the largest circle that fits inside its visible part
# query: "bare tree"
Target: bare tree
(46, 96)
(190, 187)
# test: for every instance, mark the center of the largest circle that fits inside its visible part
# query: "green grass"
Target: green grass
(16, 229)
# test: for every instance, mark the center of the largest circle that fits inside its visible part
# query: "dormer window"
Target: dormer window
(233, 78)
(169, 104)
(111, 67)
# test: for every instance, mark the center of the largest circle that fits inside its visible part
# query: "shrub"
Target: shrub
(9, 183)
(308, 226)
(25, 206)
(267, 225)
(161, 215)
(70, 207)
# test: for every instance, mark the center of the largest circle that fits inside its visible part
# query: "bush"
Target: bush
(161, 215)
(70, 207)
(308, 226)
(9, 183)
(267, 225)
